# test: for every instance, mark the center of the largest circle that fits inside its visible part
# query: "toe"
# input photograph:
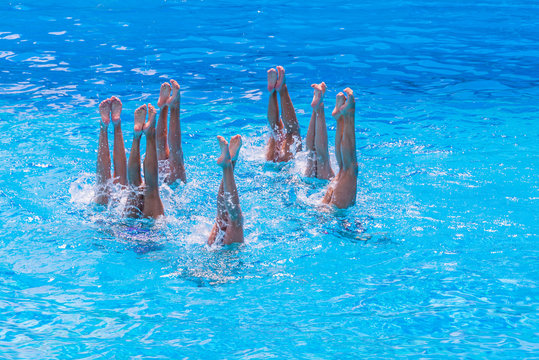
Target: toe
(151, 110)
(174, 84)
(349, 92)
(222, 141)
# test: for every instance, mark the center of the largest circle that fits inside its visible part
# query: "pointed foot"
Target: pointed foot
(224, 160)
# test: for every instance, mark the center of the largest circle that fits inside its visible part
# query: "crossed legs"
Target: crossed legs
(228, 226)
(342, 190)
(285, 138)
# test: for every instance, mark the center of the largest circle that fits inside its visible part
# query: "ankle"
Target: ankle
(318, 106)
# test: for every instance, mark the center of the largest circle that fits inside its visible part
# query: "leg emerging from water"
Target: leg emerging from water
(310, 170)
(318, 163)
(161, 129)
(339, 118)
(222, 218)
(119, 158)
(229, 218)
(153, 207)
(135, 199)
(177, 169)
(292, 141)
(323, 164)
(275, 124)
(345, 189)
(103, 155)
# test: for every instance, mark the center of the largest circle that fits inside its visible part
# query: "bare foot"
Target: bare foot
(339, 105)
(164, 94)
(174, 98)
(223, 160)
(350, 105)
(319, 92)
(234, 147)
(104, 111)
(116, 106)
(151, 119)
(140, 118)
(272, 79)
(281, 78)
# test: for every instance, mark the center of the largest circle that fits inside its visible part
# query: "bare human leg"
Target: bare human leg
(339, 117)
(233, 227)
(276, 125)
(323, 164)
(345, 189)
(103, 155)
(135, 200)
(310, 170)
(177, 168)
(153, 207)
(234, 149)
(161, 129)
(118, 156)
(222, 218)
(292, 141)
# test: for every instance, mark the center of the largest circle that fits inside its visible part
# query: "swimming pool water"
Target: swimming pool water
(437, 259)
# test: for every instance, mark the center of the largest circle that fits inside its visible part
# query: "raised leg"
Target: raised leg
(292, 142)
(135, 200)
(323, 164)
(276, 125)
(153, 207)
(222, 218)
(310, 170)
(103, 155)
(118, 156)
(177, 168)
(339, 117)
(233, 231)
(161, 129)
(234, 149)
(345, 189)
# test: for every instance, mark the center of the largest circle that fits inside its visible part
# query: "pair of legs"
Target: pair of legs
(285, 139)
(150, 204)
(342, 189)
(169, 97)
(110, 109)
(318, 164)
(228, 226)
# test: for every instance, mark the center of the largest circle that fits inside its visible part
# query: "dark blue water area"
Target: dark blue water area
(437, 259)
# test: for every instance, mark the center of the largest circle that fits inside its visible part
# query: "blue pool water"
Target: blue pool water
(437, 259)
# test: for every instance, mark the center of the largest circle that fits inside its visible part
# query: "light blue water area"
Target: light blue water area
(437, 259)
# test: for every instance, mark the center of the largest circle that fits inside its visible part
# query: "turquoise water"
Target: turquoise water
(437, 259)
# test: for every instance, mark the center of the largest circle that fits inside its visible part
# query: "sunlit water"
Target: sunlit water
(438, 258)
